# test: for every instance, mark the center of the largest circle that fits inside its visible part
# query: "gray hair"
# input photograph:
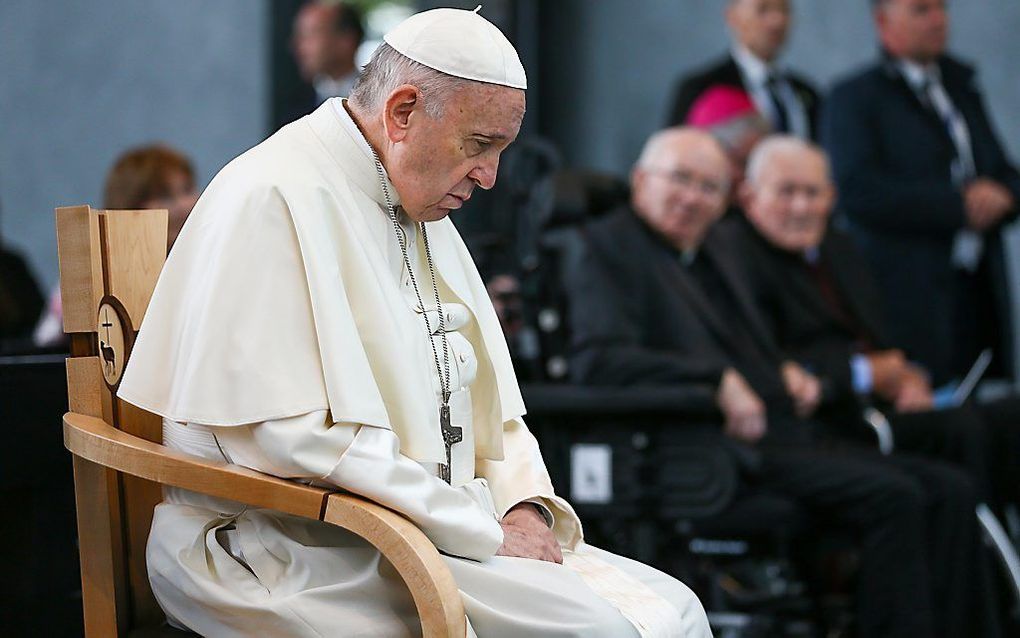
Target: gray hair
(389, 69)
(661, 140)
(731, 134)
(767, 150)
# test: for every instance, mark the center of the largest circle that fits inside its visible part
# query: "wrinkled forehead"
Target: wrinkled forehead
(759, 6)
(702, 157)
(488, 109)
(806, 166)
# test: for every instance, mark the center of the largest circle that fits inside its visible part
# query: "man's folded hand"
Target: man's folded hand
(526, 535)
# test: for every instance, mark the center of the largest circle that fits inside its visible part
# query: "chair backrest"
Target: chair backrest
(109, 264)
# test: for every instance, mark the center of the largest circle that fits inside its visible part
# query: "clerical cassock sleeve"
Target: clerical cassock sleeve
(366, 460)
(522, 476)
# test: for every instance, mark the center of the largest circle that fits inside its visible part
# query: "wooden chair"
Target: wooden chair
(109, 263)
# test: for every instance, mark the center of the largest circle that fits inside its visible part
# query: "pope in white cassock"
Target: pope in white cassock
(320, 319)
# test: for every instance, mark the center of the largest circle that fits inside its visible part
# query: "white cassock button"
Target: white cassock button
(463, 357)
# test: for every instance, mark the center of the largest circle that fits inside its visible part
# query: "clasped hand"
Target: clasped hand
(526, 535)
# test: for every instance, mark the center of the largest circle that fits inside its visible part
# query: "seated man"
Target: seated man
(815, 291)
(661, 301)
(320, 319)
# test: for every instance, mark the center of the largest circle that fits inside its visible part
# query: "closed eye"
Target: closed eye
(479, 146)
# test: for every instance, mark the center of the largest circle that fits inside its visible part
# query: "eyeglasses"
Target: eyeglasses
(686, 179)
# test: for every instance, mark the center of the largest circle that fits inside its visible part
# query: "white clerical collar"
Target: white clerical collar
(916, 74)
(327, 87)
(349, 125)
(756, 70)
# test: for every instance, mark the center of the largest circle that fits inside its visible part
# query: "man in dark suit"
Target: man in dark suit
(660, 301)
(814, 290)
(786, 100)
(926, 187)
(325, 42)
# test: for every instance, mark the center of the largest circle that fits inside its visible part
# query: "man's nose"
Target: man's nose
(485, 173)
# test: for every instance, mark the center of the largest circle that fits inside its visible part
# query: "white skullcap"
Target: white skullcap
(459, 43)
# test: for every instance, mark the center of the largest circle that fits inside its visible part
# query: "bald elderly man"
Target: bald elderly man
(661, 300)
(320, 319)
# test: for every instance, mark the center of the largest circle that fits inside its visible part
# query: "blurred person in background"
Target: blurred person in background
(21, 302)
(760, 28)
(816, 294)
(729, 114)
(921, 569)
(147, 177)
(925, 184)
(325, 42)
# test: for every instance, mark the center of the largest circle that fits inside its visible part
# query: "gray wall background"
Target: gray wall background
(611, 66)
(81, 80)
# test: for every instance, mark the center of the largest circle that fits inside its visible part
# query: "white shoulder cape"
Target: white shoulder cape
(277, 300)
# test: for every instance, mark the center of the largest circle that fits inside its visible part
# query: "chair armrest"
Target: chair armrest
(883, 430)
(436, 595)
(415, 558)
(97, 441)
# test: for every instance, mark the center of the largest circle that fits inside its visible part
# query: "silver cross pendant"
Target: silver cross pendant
(451, 435)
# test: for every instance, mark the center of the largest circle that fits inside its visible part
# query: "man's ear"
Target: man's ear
(398, 109)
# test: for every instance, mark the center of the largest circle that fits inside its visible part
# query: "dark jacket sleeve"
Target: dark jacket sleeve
(609, 326)
(870, 195)
(1000, 168)
(688, 90)
(830, 362)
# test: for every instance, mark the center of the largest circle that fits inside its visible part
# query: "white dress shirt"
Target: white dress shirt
(756, 73)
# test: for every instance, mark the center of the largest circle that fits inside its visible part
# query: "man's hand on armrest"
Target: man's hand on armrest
(744, 411)
(526, 534)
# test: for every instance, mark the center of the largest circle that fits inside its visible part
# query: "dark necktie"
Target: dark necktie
(782, 123)
(934, 94)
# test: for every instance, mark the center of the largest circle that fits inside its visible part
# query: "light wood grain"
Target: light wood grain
(103, 583)
(81, 274)
(134, 249)
(85, 386)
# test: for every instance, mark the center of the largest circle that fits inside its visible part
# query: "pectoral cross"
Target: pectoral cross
(451, 435)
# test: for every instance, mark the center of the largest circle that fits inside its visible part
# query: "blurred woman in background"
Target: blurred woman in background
(148, 177)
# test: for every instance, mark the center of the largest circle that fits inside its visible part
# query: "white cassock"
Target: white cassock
(250, 355)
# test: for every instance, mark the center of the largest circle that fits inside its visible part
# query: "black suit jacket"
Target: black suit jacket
(639, 317)
(892, 159)
(21, 302)
(804, 323)
(301, 101)
(726, 72)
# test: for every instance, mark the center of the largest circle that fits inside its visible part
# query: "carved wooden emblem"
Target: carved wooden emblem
(112, 343)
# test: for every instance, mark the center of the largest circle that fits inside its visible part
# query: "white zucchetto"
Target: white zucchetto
(459, 43)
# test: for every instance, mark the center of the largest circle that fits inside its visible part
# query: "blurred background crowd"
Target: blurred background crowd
(800, 309)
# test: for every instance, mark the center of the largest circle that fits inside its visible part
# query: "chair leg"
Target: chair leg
(104, 592)
(1004, 550)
